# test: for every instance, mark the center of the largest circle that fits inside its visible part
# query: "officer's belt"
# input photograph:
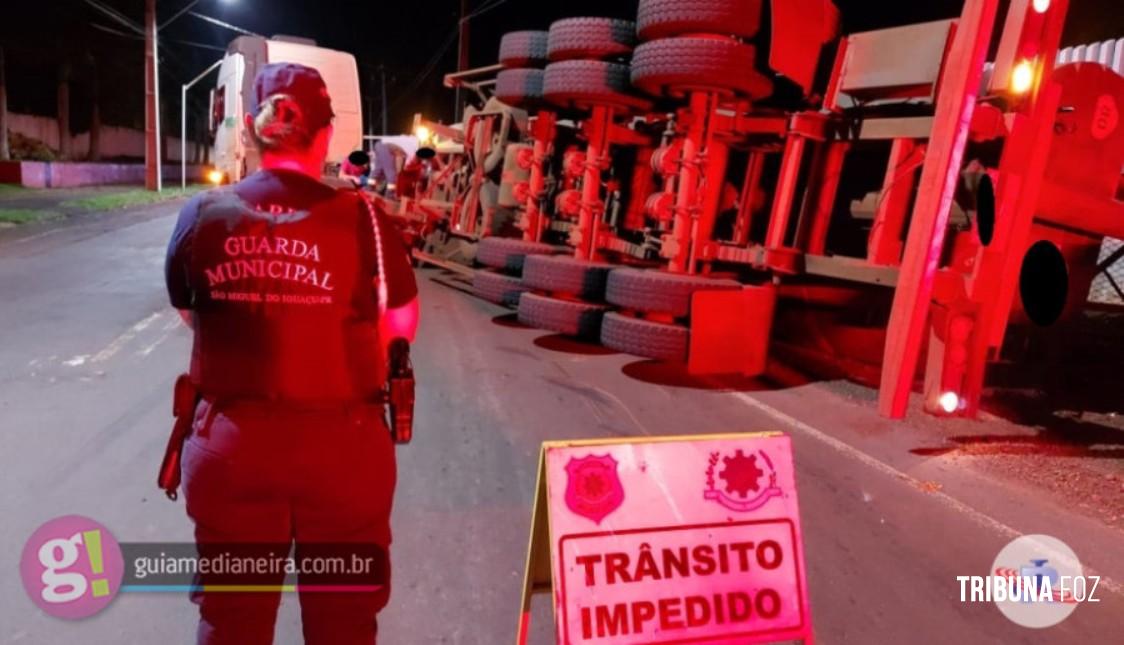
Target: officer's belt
(226, 401)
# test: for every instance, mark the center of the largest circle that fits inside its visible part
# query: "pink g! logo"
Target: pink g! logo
(71, 567)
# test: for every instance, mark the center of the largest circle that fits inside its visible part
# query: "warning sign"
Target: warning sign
(669, 541)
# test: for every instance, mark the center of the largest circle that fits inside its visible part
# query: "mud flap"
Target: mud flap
(730, 331)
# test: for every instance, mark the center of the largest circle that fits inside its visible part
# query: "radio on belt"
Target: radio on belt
(400, 392)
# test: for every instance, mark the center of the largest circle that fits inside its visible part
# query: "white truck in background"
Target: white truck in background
(234, 155)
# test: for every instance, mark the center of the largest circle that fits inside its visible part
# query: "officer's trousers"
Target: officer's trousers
(266, 477)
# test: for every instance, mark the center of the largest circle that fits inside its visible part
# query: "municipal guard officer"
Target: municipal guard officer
(294, 290)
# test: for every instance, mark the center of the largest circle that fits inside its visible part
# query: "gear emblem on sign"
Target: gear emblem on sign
(741, 474)
(751, 480)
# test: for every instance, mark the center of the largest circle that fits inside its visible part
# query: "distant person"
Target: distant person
(414, 176)
(357, 169)
(294, 291)
(384, 173)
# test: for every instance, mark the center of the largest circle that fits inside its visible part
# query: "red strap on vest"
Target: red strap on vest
(380, 280)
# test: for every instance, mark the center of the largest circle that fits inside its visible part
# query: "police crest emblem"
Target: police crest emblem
(593, 488)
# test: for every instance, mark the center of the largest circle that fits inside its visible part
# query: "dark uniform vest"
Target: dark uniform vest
(285, 303)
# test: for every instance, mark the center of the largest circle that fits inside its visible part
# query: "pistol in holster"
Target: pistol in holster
(400, 392)
(184, 401)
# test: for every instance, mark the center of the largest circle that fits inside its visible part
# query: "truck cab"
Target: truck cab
(234, 154)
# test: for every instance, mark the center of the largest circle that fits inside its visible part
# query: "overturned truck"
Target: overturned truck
(707, 187)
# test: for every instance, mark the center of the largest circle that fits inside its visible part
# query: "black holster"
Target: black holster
(184, 401)
(400, 392)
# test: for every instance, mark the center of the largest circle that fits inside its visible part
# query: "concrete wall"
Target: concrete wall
(38, 174)
(44, 129)
(115, 142)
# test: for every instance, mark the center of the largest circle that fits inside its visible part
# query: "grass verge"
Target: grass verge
(129, 198)
(26, 215)
(11, 189)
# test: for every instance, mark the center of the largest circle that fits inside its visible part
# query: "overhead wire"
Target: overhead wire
(115, 15)
(428, 69)
(442, 50)
(220, 23)
(488, 6)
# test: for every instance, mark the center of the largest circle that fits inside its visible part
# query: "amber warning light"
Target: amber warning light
(1022, 77)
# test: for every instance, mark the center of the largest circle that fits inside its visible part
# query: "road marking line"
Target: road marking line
(38, 236)
(979, 517)
(152, 347)
(119, 342)
(627, 410)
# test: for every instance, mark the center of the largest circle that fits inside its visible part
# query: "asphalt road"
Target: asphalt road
(89, 352)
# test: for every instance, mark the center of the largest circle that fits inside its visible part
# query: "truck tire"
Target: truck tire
(578, 319)
(498, 288)
(523, 49)
(520, 87)
(659, 341)
(560, 274)
(659, 292)
(667, 18)
(673, 66)
(507, 254)
(590, 39)
(585, 83)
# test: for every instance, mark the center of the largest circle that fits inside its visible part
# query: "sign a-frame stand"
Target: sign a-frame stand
(668, 540)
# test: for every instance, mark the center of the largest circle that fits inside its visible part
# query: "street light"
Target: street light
(153, 171)
(211, 177)
(154, 174)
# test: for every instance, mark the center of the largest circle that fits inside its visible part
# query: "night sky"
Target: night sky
(407, 36)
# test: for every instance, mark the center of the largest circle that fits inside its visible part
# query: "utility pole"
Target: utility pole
(63, 102)
(462, 55)
(152, 168)
(382, 74)
(94, 153)
(5, 152)
(369, 105)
